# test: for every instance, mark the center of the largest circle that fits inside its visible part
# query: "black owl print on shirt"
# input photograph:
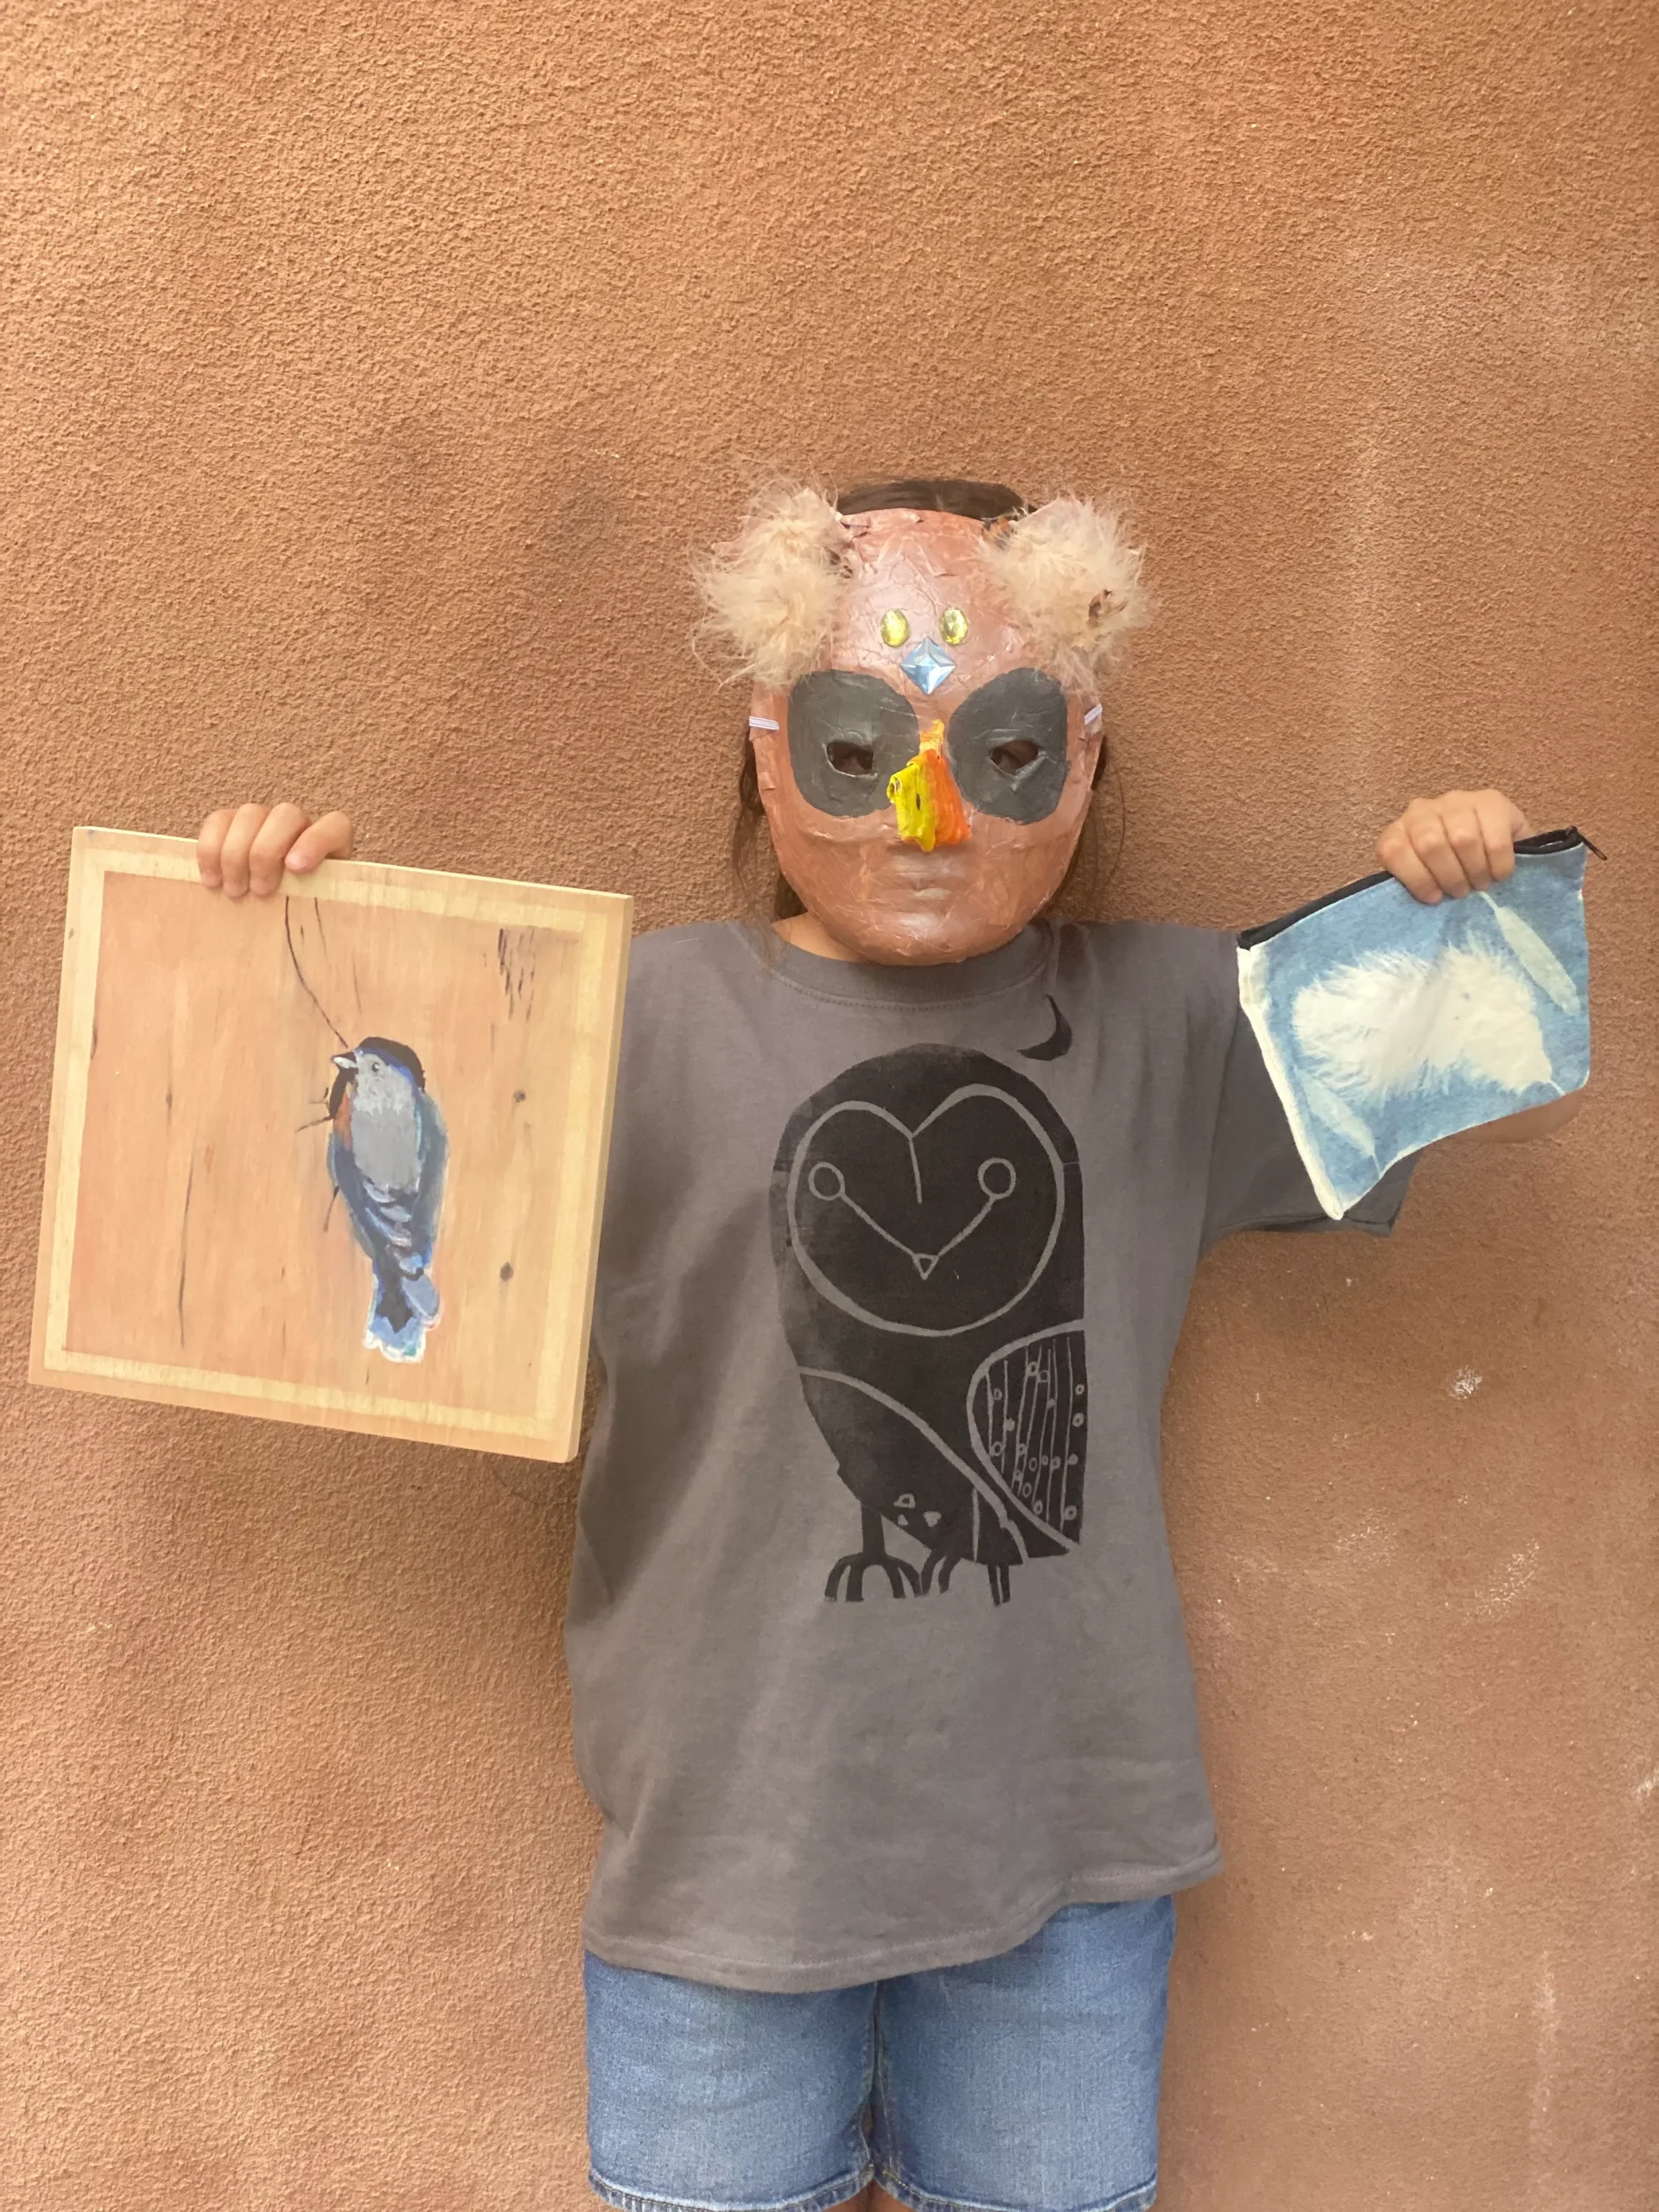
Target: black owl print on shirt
(927, 1225)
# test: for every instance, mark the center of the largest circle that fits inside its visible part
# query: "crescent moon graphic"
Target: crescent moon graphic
(1054, 1046)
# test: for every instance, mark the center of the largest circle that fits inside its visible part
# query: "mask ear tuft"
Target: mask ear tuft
(771, 593)
(1072, 583)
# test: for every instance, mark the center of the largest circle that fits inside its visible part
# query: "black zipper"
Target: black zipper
(1549, 841)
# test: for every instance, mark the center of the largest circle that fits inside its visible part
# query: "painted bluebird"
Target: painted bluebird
(387, 1156)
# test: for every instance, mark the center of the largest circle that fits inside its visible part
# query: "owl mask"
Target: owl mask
(925, 714)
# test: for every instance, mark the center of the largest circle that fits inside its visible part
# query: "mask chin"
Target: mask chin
(893, 906)
(924, 940)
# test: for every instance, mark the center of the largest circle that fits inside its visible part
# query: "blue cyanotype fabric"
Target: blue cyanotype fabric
(1386, 1024)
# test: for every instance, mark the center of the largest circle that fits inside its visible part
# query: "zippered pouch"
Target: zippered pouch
(1386, 1024)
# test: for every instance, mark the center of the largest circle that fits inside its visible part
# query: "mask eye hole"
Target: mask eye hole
(1012, 758)
(848, 758)
(849, 732)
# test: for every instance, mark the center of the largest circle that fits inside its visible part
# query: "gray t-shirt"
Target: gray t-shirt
(875, 1647)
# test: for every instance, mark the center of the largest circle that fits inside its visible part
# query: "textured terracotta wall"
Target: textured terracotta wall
(370, 369)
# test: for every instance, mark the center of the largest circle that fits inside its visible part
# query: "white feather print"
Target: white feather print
(1393, 1022)
(1534, 955)
(1337, 1115)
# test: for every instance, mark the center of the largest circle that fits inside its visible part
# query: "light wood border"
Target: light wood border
(600, 922)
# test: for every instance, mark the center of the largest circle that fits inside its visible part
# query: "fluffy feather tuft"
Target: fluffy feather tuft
(1393, 1022)
(1072, 583)
(771, 593)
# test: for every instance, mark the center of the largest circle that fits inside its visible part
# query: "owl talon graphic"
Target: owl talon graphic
(943, 1561)
(939, 1563)
(855, 1565)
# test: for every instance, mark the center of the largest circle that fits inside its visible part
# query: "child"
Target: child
(895, 1742)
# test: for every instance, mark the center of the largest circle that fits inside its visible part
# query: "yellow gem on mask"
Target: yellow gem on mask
(895, 627)
(953, 626)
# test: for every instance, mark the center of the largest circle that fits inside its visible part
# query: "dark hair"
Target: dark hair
(762, 884)
(945, 495)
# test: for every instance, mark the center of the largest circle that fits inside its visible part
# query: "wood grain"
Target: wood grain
(192, 1249)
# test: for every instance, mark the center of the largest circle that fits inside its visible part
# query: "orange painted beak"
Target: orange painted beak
(925, 797)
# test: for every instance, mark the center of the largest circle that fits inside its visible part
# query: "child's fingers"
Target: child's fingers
(1421, 850)
(1395, 850)
(1431, 840)
(269, 848)
(1445, 848)
(1461, 825)
(246, 825)
(1501, 822)
(210, 842)
(329, 838)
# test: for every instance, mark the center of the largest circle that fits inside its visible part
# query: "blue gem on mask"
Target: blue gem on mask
(927, 666)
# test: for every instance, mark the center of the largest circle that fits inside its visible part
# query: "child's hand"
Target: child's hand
(242, 849)
(1450, 846)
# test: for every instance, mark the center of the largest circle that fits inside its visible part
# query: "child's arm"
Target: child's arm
(243, 849)
(1445, 848)
(1518, 1128)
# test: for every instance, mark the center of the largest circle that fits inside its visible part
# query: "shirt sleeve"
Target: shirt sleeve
(1256, 1177)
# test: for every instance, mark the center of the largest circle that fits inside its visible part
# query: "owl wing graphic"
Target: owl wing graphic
(1028, 1418)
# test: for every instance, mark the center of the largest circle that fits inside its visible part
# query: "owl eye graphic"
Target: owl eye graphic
(928, 1233)
(997, 1180)
(928, 1229)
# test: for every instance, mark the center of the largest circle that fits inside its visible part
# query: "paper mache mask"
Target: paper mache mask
(925, 714)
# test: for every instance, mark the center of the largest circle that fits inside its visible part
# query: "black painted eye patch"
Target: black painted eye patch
(849, 733)
(1006, 746)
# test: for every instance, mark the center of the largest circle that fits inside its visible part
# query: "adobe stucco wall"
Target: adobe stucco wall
(371, 370)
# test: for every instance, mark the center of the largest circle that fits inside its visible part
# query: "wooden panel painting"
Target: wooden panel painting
(336, 1156)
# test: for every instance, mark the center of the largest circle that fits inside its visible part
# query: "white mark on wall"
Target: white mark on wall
(1463, 1386)
(1358, 1553)
(1413, 323)
(1546, 2031)
(1368, 1545)
(1417, 302)
(1517, 1576)
(1444, 1929)
(1645, 1787)
(1374, 534)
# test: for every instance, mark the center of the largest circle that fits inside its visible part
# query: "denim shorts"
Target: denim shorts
(1026, 2083)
